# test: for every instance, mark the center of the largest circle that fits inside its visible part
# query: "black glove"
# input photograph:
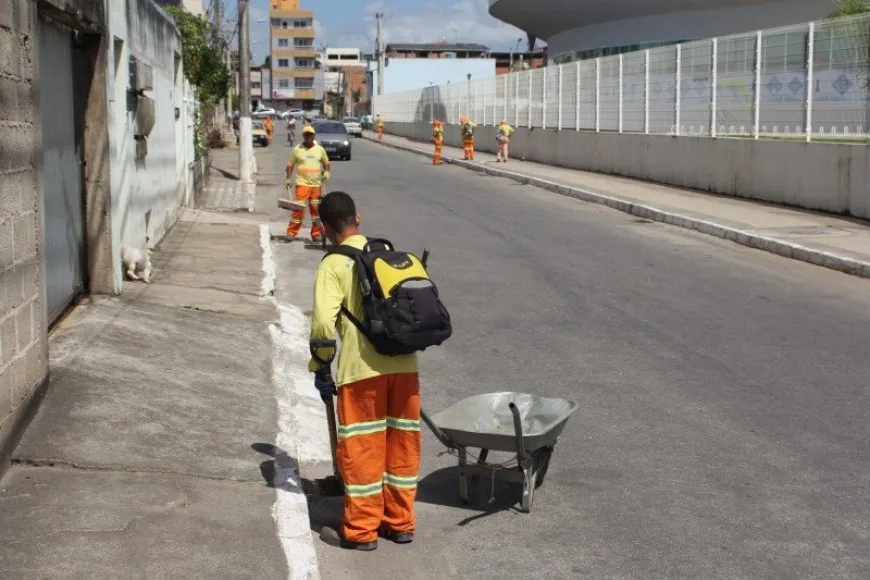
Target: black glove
(324, 383)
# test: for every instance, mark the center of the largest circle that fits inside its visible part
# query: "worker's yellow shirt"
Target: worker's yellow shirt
(336, 284)
(309, 164)
(438, 133)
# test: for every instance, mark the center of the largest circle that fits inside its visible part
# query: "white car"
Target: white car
(263, 113)
(353, 126)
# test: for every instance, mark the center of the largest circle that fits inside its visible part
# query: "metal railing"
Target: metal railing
(745, 85)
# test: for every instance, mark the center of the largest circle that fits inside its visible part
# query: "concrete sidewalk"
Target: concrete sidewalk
(223, 191)
(839, 243)
(154, 454)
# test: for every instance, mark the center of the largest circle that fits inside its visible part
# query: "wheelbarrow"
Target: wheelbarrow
(526, 425)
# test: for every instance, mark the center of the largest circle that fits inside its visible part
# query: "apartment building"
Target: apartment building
(296, 79)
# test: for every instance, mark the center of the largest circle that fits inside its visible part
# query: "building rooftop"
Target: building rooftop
(437, 47)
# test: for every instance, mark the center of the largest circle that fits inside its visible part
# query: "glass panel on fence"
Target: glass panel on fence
(569, 96)
(662, 89)
(523, 98)
(587, 94)
(735, 104)
(783, 81)
(608, 95)
(537, 104)
(696, 74)
(552, 96)
(841, 79)
(633, 95)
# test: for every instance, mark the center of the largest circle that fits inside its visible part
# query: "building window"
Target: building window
(283, 63)
(283, 42)
(285, 24)
(284, 83)
(302, 24)
(255, 85)
(303, 42)
(304, 83)
(304, 63)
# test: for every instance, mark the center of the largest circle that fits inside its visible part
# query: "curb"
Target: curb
(782, 248)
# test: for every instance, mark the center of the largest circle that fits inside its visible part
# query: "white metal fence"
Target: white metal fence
(743, 85)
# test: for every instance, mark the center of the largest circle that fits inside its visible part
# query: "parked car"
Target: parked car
(333, 137)
(296, 113)
(263, 113)
(353, 126)
(258, 131)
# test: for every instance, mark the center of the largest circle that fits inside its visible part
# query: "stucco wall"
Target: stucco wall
(819, 176)
(148, 193)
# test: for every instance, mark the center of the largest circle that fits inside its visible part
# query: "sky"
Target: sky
(351, 23)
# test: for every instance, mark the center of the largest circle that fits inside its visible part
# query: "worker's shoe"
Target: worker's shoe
(398, 537)
(332, 537)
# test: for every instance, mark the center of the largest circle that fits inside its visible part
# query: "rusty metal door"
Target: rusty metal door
(61, 171)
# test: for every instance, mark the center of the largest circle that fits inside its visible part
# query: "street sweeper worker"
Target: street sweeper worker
(378, 398)
(379, 125)
(503, 137)
(467, 127)
(438, 140)
(311, 164)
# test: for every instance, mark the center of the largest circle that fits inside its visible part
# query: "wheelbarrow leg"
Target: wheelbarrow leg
(528, 487)
(463, 477)
(481, 459)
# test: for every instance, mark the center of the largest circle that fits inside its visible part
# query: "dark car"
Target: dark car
(332, 136)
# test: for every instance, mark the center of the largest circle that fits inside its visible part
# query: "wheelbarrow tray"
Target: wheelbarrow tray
(486, 421)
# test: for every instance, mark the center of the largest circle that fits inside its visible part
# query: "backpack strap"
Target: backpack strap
(351, 253)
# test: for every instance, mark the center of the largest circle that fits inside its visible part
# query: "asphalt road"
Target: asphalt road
(724, 392)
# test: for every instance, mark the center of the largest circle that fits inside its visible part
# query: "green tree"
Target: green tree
(849, 8)
(203, 65)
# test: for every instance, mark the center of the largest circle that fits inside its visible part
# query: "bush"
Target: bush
(216, 139)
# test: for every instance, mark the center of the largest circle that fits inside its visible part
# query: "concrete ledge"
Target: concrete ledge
(782, 248)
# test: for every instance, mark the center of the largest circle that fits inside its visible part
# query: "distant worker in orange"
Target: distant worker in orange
(467, 127)
(311, 164)
(379, 125)
(270, 128)
(438, 139)
(503, 136)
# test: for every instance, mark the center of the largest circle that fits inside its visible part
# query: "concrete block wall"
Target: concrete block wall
(23, 340)
(818, 176)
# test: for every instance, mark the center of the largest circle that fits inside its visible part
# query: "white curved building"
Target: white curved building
(580, 29)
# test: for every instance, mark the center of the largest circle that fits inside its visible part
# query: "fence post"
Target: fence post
(506, 79)
(559, 124)
(811, 47)
(678, 100)
(757, 96)
(531, 74)
(646, 91)
(714, 76)
(597, 94)
(619, 122)
(577, 98)
(516, 98)
(544, 100)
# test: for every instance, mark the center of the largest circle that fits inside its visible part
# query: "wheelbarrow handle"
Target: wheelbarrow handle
(442, 437)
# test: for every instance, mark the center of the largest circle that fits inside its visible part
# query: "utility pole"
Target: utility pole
(217, 39)
(379, 52)
(246, 144)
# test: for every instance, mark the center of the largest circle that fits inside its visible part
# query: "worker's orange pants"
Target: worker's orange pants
(312, 196)
(468, 145)
(502, 150)
(379, 454)
(380, 132)
(439, 148)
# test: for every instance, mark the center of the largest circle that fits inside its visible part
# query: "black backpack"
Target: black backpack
(403, 313)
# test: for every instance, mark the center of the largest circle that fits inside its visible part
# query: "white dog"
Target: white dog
(136, 261)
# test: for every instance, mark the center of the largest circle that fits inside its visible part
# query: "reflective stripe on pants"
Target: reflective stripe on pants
(312, 196)
(379, 454)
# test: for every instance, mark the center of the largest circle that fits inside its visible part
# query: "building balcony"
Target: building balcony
(288, 14)
(292, 53)
(293, 32)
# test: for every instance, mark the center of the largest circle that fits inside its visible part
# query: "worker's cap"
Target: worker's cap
(308, 129)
